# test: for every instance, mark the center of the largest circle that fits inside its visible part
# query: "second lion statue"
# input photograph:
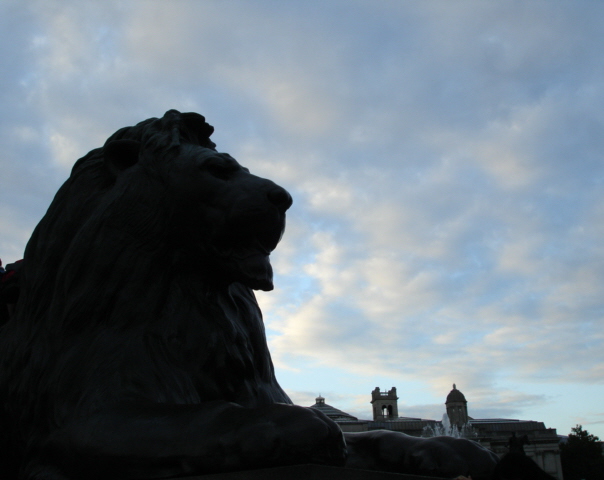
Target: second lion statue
(137, 349)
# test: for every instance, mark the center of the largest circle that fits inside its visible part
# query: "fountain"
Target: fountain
(445, 429)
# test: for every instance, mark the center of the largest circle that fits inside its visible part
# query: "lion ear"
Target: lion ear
(197, 128)
(121, 154)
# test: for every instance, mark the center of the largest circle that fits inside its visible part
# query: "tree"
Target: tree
(581, 456)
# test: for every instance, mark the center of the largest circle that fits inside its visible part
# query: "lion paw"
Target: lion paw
(288, 434)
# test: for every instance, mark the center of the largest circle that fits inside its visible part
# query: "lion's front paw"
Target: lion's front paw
(285, 435)
(440, 456)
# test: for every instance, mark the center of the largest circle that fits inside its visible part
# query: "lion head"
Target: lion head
(225, 220)
(163, 183)
(241, 217)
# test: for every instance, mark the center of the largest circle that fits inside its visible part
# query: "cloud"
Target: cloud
(444, 159)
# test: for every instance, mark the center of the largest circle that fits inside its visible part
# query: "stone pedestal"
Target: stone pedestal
(309, 472)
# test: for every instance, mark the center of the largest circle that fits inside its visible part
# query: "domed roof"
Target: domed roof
(333, 413)
(455, 396)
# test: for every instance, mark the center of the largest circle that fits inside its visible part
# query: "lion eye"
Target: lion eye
(219, 168)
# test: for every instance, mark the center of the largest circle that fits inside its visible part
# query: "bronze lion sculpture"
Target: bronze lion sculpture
(137, 349)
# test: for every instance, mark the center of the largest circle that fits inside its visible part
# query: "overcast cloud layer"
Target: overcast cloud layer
(445, 160)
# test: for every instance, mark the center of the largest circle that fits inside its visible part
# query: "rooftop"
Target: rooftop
(332, 412)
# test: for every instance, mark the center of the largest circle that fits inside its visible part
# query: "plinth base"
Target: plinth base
(309, 472)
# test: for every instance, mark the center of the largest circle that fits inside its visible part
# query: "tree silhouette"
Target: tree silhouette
(581, 456)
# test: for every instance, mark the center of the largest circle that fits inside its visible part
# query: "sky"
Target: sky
(445, 160)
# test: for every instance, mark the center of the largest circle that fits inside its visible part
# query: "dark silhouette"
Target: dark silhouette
(3, 306)
(9, 289)
(137, 349)
(581, 456)
(445, 457)
(516, 445)
(112, 367)
(517, 466)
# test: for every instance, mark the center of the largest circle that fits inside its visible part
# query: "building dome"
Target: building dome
(457, 408)
(455, 396)
(333, 413)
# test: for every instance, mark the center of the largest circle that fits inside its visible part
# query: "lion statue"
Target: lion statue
(137, 349)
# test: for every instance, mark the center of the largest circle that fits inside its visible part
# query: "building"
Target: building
(457, 408)
(499, 435)
(347, 422)
(385, 405)
(538, 442)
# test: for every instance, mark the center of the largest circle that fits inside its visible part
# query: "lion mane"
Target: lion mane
(137, 349)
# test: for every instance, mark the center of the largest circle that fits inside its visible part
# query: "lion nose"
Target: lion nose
(280, 198)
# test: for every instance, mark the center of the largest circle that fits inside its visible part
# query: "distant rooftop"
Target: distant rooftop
(505, 424)
(332, 412)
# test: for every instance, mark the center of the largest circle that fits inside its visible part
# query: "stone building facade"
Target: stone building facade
(385, 404)
(499, 435)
